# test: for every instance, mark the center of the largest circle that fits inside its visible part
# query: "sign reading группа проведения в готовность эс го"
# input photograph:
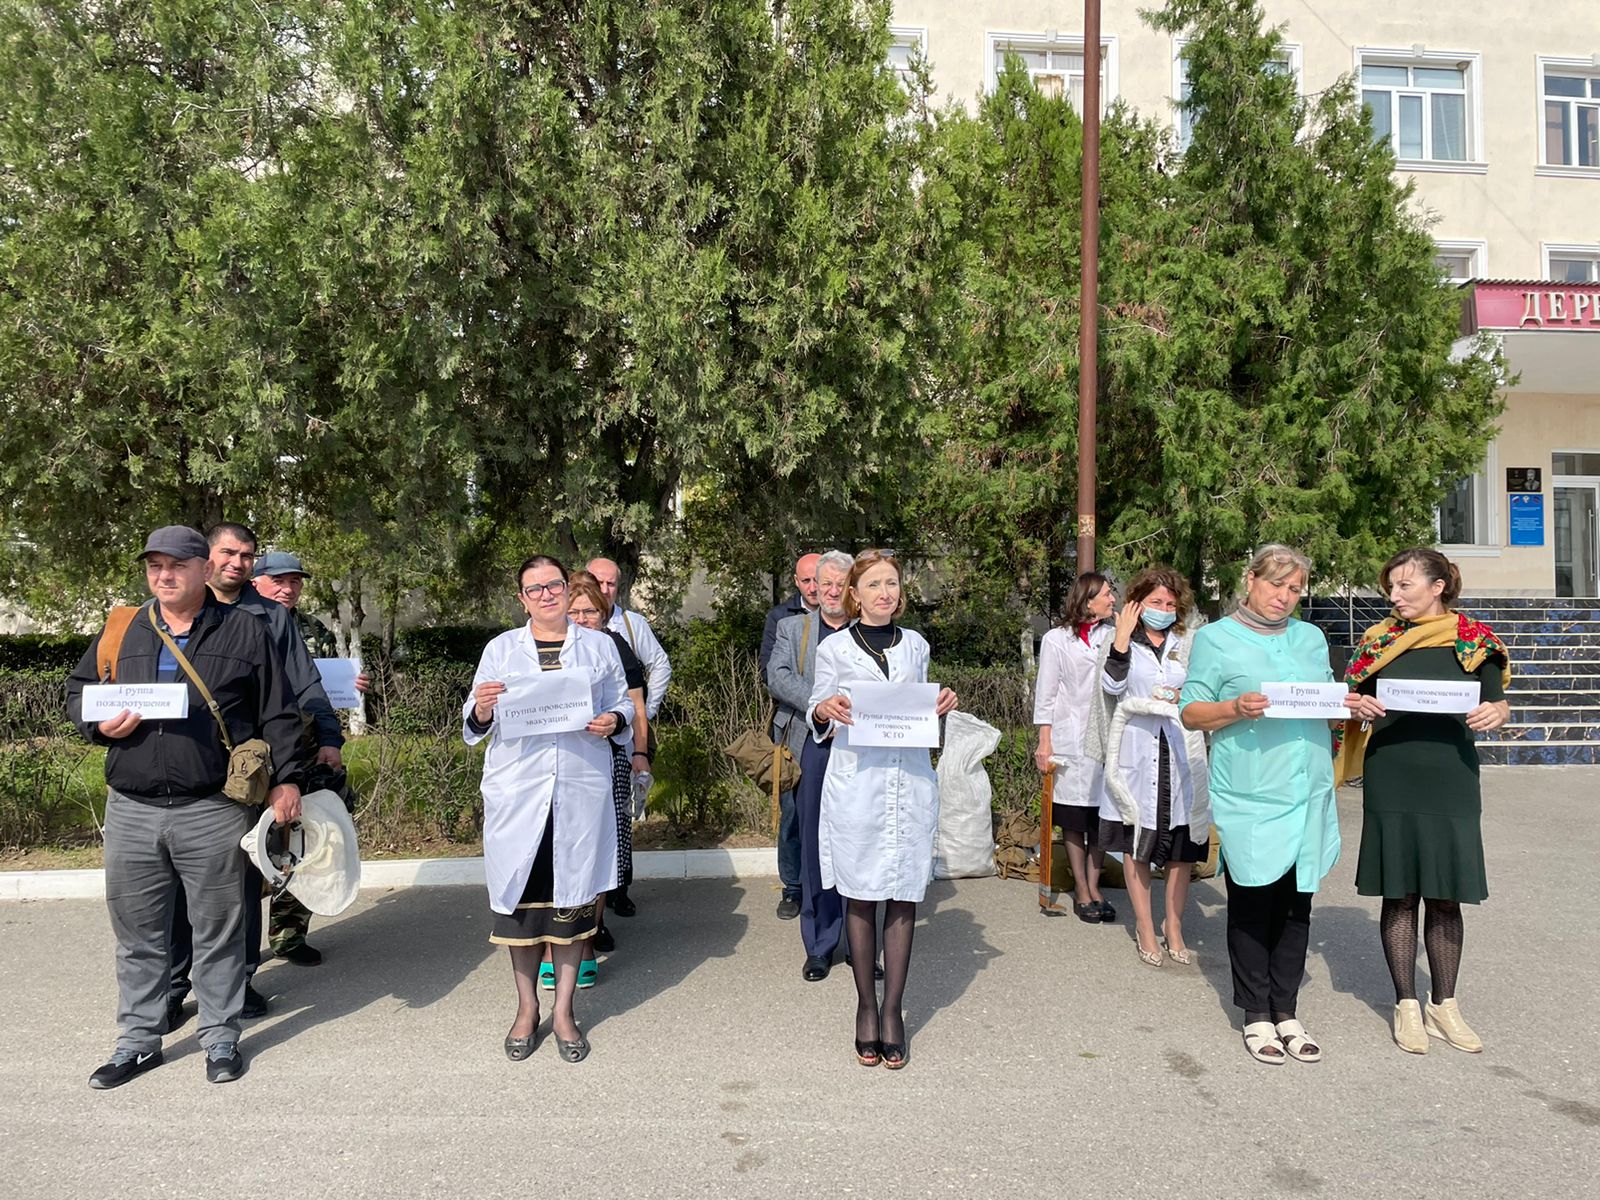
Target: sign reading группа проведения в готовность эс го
(902, 715)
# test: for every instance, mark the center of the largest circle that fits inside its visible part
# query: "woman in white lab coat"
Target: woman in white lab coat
(879, 805)
(1064, 697)
(549, 826)
(1155, 812)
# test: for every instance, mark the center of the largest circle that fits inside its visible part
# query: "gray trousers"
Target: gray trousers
(147, 849)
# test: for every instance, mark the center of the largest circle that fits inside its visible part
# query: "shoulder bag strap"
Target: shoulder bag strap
(628, 625)
(110, 650)
(805, 640)
(194, 676)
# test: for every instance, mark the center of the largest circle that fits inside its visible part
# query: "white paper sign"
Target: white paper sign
(1306, 701)
(894, 714)
(1428, 695)
(339, 680)
(152, 701)
(549, 702)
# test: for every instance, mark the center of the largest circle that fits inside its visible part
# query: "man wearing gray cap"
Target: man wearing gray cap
(281, 577)
(168, 823)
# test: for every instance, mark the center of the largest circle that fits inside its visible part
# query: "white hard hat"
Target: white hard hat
(315, 857)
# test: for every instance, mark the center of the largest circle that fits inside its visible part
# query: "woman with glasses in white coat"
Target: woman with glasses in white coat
(880, 804)
(549, 825)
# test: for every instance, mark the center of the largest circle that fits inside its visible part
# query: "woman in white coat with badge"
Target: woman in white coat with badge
(880, 805)
(549, 826)
(1064, 696)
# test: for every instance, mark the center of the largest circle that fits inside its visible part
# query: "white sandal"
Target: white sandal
(1298, 1043)
(1261, 1041)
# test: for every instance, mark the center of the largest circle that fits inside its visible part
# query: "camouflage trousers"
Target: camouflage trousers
(287, 923)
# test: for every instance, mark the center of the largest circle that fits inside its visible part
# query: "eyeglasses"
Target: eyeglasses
(582, 613)
(880, 552)
(555, 588)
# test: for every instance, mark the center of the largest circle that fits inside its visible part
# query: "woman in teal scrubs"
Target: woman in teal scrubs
(1271, 793)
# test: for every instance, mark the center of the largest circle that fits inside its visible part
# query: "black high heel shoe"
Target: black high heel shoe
(868, 1054)
(894, 1055)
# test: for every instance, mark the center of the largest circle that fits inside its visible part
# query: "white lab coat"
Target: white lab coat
(1064, 695)
(880, 806)
(1140, 752)
(525, 778)
(651, 654)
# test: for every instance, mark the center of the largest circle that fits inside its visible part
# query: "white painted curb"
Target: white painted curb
(427, 872)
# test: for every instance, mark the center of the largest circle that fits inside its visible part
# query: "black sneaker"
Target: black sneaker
(224, 1063)
(123, 1066)
(174, 1013)
(788, 908)
(603, 941)
(617, 901)
(255, 1004)
(302, 955)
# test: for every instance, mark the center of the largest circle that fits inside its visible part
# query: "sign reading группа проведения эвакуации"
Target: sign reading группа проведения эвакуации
(549, 702)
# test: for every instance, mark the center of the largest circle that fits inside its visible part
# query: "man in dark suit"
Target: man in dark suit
(804, 600)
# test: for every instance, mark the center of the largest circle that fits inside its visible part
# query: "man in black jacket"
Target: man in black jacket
(166, 816)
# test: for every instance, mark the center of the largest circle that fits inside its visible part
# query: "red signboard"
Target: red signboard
(1565, 306)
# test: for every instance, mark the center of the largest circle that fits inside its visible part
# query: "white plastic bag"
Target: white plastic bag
(963, 845)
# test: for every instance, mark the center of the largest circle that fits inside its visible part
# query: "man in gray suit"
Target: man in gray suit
(790, 672)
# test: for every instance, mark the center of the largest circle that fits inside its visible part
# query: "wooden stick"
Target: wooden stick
(1046, 837)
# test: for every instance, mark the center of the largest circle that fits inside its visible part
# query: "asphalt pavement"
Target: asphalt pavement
(1045, 1058)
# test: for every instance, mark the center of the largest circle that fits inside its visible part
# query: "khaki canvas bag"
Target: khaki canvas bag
(249, 763)
(770, 765)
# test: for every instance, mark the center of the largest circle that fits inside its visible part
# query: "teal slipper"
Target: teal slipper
(547, 976)
(588, 973)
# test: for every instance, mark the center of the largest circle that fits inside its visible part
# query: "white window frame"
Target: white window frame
(1486, 503)
(1549, 250)
(1478, 248)
(1293, 52)
(1048, 40)
(1471, 61)
(914, 37)
(1575, 66)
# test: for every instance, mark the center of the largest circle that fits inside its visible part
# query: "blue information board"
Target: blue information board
(1527, 519)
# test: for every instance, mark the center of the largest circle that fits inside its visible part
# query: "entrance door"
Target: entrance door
(1577, 536)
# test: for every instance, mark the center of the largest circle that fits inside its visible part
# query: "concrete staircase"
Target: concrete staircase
(1555, 669)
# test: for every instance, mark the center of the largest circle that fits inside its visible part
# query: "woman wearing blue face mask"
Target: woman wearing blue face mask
(1156, 812)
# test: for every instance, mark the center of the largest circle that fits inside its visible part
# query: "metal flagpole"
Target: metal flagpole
(1089, 288)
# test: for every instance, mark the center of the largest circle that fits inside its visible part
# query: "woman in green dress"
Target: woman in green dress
(1271, 793)
(1421, 807)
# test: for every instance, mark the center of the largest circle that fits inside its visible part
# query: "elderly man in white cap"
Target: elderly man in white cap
(167, 819)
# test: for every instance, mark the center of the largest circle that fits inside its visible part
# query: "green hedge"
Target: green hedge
(53, 654)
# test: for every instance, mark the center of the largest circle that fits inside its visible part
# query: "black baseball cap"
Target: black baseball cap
(177, 540)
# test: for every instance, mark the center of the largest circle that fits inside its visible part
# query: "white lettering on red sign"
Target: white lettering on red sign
(1530, 309)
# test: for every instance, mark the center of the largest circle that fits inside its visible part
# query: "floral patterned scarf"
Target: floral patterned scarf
(1473, 642)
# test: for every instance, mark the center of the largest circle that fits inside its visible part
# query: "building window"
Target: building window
(1572, 264)
(1575, 462)
(1460, 261)
(905, 45)
(1459, 513)
(1422, 104)
(1571, 111)
(1055, 64)
(1286, 61)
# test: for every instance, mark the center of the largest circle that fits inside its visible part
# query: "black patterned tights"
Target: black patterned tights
(1441, 934)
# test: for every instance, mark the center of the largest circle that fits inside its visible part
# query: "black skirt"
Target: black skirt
(537, 920)
(1078, 818)
(1166, 843)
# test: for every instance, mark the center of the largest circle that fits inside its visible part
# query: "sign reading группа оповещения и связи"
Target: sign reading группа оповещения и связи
(549, 702)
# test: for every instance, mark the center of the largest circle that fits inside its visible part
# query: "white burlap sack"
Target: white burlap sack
(963, 845)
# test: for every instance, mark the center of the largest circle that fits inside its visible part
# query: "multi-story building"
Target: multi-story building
(1498, 122)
